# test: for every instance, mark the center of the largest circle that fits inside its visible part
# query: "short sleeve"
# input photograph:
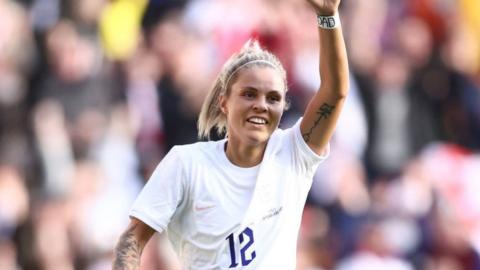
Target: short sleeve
(162, 194)
(306, 155)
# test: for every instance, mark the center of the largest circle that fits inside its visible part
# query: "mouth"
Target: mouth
(257, 120)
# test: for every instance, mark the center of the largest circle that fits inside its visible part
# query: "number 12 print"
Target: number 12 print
(243, 251)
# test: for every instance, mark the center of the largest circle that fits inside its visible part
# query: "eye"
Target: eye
(273, 98)
(249, 94)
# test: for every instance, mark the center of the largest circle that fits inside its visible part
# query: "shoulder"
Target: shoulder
(282, 135)
(195, 151)
(280, 142)
(290, 142)
(199, 147)
(182, 160)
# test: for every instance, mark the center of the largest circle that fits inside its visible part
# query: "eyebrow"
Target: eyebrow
(248, 87)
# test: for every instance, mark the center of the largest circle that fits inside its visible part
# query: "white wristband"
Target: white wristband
(328, 22)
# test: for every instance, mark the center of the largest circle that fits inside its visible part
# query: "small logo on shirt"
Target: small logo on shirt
(202, 207)
(272, 212)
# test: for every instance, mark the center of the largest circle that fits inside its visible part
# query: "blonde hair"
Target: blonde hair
(211, 116)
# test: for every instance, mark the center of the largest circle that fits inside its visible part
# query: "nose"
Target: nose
(260, 104)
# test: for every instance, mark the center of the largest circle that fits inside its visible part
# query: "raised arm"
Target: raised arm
(324, 109)
(129, 248)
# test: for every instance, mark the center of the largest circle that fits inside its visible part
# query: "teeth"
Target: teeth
(257, 120)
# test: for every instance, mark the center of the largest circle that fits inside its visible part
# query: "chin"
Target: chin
(256, 139)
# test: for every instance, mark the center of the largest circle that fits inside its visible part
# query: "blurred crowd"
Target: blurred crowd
(93, 93)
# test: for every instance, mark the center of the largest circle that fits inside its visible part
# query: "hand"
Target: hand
(325, 7)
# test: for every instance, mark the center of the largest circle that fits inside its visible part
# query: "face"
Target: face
(255, 105)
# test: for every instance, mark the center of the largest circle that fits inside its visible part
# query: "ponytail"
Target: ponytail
(211, 116)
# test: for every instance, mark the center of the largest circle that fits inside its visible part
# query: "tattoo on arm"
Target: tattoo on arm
(323, 113)
(127, 252)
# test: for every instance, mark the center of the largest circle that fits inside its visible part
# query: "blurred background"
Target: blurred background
(93, 93)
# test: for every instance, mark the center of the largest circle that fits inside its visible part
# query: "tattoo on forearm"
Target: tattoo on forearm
(127, 252)
(323, 113)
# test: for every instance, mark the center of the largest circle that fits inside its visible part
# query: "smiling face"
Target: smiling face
(254, 105)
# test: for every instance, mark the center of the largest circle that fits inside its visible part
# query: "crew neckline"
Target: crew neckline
(242, 171)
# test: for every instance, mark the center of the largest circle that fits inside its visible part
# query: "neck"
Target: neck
(244, 156)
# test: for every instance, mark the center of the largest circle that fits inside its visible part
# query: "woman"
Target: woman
(237, 203)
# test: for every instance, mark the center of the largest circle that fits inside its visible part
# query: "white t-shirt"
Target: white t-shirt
(220, 216)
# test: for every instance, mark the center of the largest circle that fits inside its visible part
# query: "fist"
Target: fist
(325, 7)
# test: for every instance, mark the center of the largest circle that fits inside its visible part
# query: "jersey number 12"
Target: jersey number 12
(247, 233)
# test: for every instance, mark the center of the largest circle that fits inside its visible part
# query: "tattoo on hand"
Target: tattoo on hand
(127, 252)
(323, 113)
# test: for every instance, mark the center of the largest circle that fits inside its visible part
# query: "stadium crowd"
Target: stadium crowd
(94, 92)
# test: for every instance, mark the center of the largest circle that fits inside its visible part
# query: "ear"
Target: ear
(223, 104)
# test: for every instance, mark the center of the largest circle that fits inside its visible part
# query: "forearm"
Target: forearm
(333, 62)
(128, 251)
(324, 109)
